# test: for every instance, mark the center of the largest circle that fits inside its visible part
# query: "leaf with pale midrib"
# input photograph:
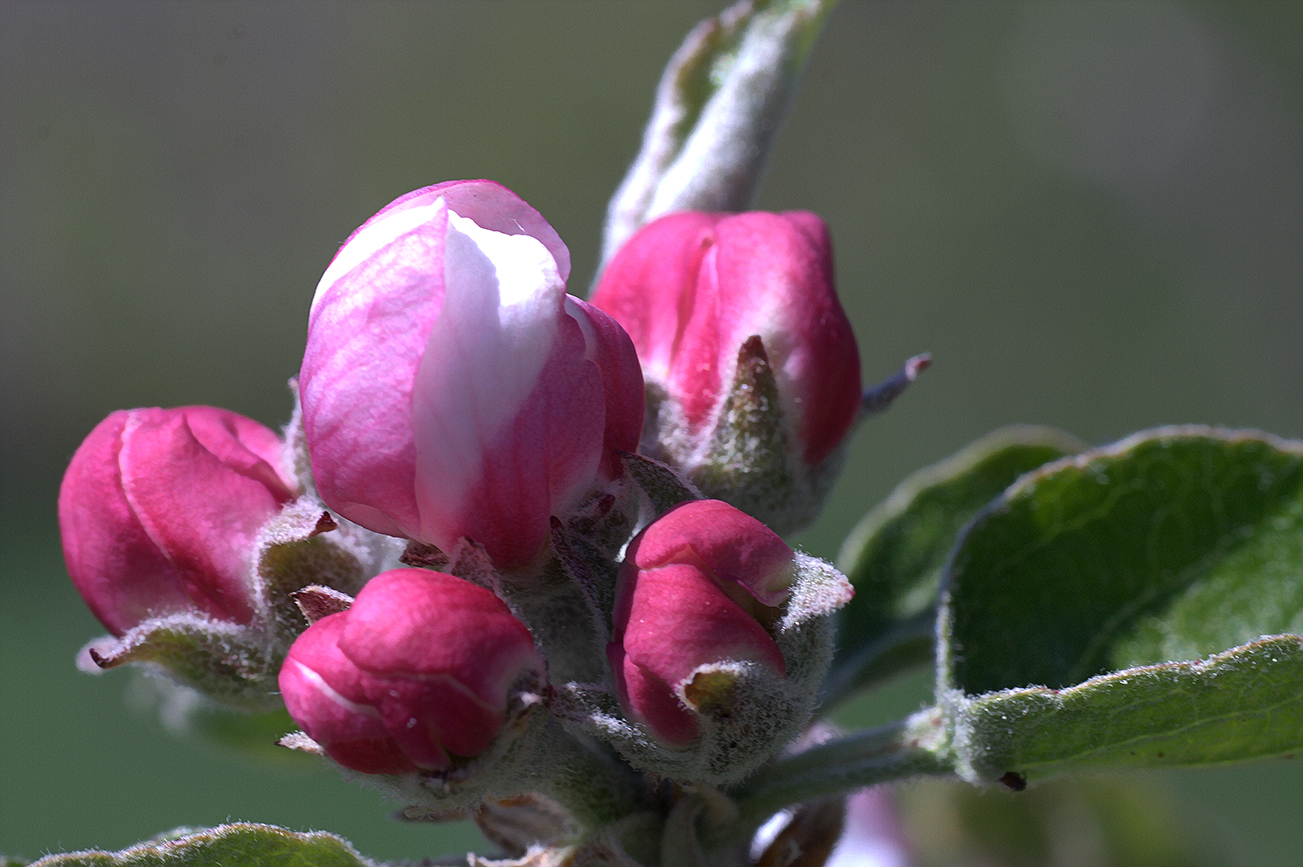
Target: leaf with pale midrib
(1180, 545)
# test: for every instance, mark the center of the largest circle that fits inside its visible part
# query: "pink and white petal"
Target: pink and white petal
(490, 391)
(610, 348)
(366, 337)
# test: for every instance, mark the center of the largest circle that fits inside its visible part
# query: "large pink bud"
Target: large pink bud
(160, 510)
(420, 669)
(711, 301)
(691, 288)
(690, 597)
(451, 389)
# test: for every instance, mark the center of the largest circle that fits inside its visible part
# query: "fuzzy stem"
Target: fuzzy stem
(909, 748)
(908, 644)
(591, 782)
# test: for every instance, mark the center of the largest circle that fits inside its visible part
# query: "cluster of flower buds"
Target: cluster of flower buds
(564, 572)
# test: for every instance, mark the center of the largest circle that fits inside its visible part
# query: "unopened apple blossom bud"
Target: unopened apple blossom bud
(753, 375)
(721, 637)
(696, 596)
(160, 511)
(450, 388)
(324, 693)
(421, 670)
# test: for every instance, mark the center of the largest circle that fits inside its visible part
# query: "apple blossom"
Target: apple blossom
(697, 588)
(159, 512)
(420, 669)
(450, 388)
(724, 309)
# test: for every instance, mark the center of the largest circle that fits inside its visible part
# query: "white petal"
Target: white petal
(483, 359)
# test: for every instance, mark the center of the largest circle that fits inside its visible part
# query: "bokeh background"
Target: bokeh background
(1089, 213)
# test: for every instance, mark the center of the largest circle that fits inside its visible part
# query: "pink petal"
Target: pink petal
(104, 541)
(722, 541)
(324, 693)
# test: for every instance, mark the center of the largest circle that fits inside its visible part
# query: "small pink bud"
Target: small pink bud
(160, 508)
(324, 693)
(692, 591)
(450, 388)
(420, 669)
(692, 287)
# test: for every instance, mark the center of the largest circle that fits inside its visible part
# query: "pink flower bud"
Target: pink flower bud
(450, 387)
(160, 508)
(420, 669)
(692, 288)
(692, 591)
(324, 693)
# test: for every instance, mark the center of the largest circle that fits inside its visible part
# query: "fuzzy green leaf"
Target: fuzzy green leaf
(1246, 703)
(896, 555)
(240, 843)
(1088, 577)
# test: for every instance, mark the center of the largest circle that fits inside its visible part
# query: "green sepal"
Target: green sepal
(303, 546)
(224, 661)
(663, 486)
(749, 461)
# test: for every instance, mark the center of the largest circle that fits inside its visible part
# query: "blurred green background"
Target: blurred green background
(1089, 213)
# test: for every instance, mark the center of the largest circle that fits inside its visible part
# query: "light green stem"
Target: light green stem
(595, 786)
(910, 748)
(908, 645)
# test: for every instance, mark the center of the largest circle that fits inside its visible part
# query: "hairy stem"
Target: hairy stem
(910, 748)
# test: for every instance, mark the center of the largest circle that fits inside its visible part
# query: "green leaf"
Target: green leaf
(896, 555)
(1246, 703)
(1088, 576)
(240, 843)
